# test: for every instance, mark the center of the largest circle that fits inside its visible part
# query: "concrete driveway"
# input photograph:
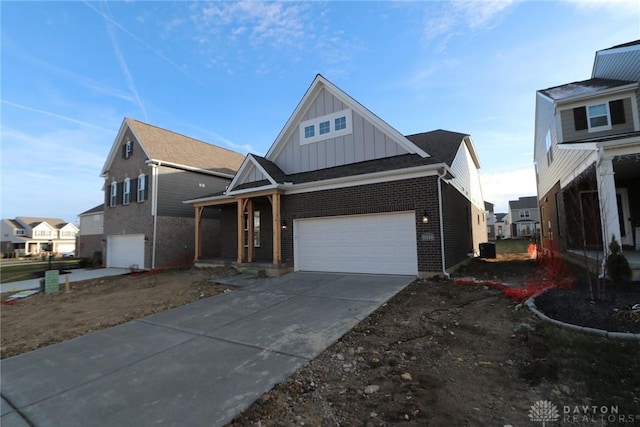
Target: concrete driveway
(197, 365)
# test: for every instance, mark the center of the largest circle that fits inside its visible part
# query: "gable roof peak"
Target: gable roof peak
(319, 83)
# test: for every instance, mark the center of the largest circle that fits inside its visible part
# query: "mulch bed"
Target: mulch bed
(576, 307)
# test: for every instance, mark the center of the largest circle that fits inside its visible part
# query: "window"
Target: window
(256, 229)
(142, 188)
(309, 131)
(324, 127)
(126, 192)
(127, 149)
(113, 199)
(549, 146)
(524, 214)
(598, 116)
(19, 232)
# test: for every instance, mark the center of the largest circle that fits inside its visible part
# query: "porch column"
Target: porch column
(250, 231)
(197, 248)
(241, 205)
(608, 201)
(277, 230)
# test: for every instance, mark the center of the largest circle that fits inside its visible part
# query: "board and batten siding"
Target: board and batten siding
(251, 174)
(466, 178)
(566, 164)
(569, 132)
(176, 185)
(366, 142)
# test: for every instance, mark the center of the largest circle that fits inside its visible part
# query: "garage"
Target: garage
(125, 251)
(375, 244)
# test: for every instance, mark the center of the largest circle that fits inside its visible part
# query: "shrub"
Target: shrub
(617, 265)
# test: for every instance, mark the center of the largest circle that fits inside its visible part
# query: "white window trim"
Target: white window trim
(332, 132)
(608, 113)
(127, 150)
(525, 214)
(126, 191)
(141, 188)
(113, 195)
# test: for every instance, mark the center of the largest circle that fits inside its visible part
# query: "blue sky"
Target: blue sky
(231, 73)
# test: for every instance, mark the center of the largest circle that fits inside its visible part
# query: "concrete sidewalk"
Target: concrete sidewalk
(75, 275)
(197, 365)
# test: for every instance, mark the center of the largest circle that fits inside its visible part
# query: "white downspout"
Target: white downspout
(441, 174)
(154, 212)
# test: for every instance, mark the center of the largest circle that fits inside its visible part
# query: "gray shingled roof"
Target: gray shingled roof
(528, 202)
(585, 87)
(99, 208)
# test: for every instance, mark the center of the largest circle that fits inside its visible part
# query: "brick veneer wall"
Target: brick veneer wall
(419, 195)
(457, 226)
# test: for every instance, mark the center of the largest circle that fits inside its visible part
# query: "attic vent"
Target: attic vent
(201, 185)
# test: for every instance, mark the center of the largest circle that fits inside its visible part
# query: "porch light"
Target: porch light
(284, 225)
(425, 217)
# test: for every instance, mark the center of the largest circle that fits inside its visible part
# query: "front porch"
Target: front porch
(250, 233)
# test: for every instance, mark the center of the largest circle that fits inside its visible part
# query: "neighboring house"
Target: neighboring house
(525, 219)
(491, 221)
(587, 154)
(91, 234)
(503, 228)
(148, 173)
(340, 190)
(31, 235)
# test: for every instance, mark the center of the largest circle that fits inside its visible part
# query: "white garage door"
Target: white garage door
(377, 244)
(125, 251)
(64, 248)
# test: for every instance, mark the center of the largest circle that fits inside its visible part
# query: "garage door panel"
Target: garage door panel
(381, 244)
(125, 251)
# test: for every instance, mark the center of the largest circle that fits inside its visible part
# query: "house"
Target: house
(340, 190)
(491, 221)
(525, 219)
(587, 156)
(503, 228)
(148, 172)
(91, 233)
(31, 236)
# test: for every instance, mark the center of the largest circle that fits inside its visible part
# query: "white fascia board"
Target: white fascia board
(207, 199)
(188, 168)
(579, 100)
(579, 146)
(241, 169)
(366, 179)
(472, 150)
(115, 148)
(252, 189)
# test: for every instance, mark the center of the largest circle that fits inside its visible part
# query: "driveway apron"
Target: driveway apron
(200, 364)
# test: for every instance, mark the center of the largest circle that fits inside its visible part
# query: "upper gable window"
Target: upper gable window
(325, 127)
(599, 117)
(329, 126)
(19, 232)
(309, 131)
(127, 149)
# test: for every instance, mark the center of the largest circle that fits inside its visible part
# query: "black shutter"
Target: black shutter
(580, 118)
(616, 108)
(146, 188)
(124, 151)
(119, 193)
(134, 190)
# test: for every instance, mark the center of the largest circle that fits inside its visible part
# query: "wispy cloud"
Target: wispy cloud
(112, 21)
(57, 116)
(125, 68)
(450, 19)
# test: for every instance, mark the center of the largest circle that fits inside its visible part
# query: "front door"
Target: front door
(624, 216)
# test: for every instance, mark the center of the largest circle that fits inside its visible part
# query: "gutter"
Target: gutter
(154, 212)
(441, 174)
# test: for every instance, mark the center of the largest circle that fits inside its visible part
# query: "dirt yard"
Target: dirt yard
(436, 354)
(42, 320)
